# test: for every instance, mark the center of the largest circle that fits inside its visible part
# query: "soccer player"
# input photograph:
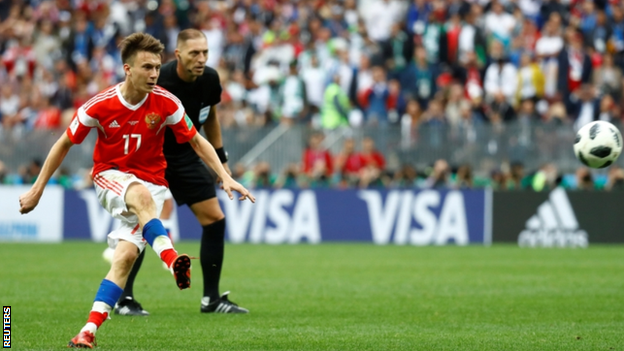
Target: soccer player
(129, 169)
(190, 182)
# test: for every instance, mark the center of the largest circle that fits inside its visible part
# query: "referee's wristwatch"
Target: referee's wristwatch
(223, 155)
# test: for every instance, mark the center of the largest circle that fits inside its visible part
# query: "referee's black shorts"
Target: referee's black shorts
(190, 183)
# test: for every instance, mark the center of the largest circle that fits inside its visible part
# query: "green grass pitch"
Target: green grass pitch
(332, 297)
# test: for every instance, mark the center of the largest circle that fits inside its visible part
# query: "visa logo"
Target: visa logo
(277, 217)
(417, 218)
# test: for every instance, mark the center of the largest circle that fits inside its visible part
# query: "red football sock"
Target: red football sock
(168, 256)
(97, 318)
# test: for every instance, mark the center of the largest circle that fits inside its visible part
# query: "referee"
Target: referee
(190, 182)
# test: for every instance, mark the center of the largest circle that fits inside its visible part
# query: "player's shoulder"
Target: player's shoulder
(163, 94)
(103, 98)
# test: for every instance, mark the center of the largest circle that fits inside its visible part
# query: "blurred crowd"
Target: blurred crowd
(334, 63)
(360, 165)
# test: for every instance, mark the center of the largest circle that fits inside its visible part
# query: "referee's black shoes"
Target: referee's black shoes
(221, 305)
(130, 307)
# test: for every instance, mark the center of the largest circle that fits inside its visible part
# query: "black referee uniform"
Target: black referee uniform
(189, 180)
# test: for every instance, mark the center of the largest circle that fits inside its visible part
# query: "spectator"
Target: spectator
(262, 177)
(471, 38)
(607, 78)
(463, 177)
(9, 104)
(499, 23)
(607, 111)
(373, 164)
(314, 79)
(336, 106)
(530, 80)
(516, 180)
(3, 173)
(527, 111)
(30, 172)
(453, 104)
(453, 30)
(600, 33)
(615, 179)
(380, 15)
(419, 79)
(48, 116)
(46, 45)
(375, 99)
(289, 178)
(584, 179)
(546, 178)
(501, 76)
(417, 16)
(398, 49)
(406, 177)
(410, 123)
(348, 163)
(574, 65)
(316, 161)
(434, 38)
(584, 106)
(439, 176)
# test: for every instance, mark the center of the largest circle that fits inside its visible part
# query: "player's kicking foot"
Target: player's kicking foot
(181, 268)
(221, 305)
(130, 307)
(84, 340)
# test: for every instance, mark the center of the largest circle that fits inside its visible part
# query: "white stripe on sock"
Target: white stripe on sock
(99, 306)
(161, 243)
(90, 327)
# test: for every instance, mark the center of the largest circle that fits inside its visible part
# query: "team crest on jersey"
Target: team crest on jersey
(152, 120)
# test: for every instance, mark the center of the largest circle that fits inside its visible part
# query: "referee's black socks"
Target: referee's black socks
(211, 257)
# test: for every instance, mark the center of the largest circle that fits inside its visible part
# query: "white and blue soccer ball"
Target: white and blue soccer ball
(108, 254)
(598, 144)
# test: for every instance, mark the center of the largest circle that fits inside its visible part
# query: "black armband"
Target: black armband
(223, 155)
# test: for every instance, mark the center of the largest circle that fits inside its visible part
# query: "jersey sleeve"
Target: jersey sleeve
(181, 125)
(80, 126)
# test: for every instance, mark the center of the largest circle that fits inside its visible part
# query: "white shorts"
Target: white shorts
(111, 187)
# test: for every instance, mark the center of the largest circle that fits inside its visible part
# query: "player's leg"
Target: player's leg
(127, 305)
(212, 220)
(146, 201)
(128, 199)
(109, 291)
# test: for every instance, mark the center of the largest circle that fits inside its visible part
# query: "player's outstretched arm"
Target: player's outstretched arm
(207, 153)
(30, 199)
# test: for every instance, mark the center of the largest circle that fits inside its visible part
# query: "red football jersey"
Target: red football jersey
(130, 137)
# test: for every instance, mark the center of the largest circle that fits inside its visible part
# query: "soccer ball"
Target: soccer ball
(598, 144)
(107, 255)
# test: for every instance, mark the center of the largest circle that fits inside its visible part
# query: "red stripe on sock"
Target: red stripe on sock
(168, 256)
(97, 318)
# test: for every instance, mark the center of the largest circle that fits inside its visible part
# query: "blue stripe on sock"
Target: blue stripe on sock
(108, 293)
(152, 229)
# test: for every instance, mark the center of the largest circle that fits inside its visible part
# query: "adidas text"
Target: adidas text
(554, 225)
(113, 124)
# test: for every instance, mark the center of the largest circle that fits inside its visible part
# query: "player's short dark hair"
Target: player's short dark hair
(188, 34)
(134, 43)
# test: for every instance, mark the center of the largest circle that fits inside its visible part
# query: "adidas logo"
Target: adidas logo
(113, 124)
(554, 225)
